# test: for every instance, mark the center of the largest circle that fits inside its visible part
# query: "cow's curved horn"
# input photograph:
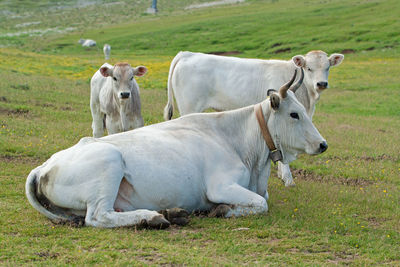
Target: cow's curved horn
(286, 86)
(296, 86)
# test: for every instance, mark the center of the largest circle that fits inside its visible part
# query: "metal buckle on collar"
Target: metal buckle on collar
(276, 155)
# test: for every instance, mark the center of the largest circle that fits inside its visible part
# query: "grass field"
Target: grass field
(345, 207)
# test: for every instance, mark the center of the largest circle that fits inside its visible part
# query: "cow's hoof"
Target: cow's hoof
(157, 222)
(220, 211)
(289, 183)
(78, 221)
(176, 216)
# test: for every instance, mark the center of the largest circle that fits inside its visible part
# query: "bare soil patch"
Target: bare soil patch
(282, 50)
(379, 158)
(225, 53)
(67, 108)
(344, 258)
(17, 111)
(305, 175)
(24, 87)
(47, 254)
(19, 159)
(375, 221)
(367, 158)
(44, 105)
(348, 51)
(276, 45)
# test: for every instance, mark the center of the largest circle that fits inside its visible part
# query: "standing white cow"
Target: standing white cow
(200, 81)
(107, 51)
(196, 162)
(115, 99)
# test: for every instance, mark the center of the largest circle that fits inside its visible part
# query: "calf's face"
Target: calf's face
(316, 65)
(291, 127)
(122, 75)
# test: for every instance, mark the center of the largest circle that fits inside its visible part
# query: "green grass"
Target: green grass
(345, 208)
(257, 30)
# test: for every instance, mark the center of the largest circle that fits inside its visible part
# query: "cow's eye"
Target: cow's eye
(294, 115)
(309, 69)
(115, 79)
(131, 78)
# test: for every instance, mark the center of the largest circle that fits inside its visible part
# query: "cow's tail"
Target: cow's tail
(31, 193)
(169, 108)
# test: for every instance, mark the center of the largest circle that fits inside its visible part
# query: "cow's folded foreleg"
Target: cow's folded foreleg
(285, 174)
(241, 201)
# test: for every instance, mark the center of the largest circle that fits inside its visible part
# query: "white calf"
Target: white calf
(114, 98)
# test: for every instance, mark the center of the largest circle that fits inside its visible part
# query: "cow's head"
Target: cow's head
(316, 66)
(291, 128)
(123, 80)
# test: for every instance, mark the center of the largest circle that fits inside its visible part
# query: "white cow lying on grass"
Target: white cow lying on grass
(200, 81)
(115, 99)
(195, 162)
(87, 42)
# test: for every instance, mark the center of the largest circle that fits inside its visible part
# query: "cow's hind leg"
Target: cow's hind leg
(285, 174)
(190, 103)
(109, 173)
(139, 218)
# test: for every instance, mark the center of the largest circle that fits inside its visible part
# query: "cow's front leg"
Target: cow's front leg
(138, 122)
(98, 123)
(124, 119)
(112, 125)
(236, 200)
(285, 174)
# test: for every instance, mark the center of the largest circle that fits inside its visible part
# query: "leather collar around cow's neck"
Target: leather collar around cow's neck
(274, 153)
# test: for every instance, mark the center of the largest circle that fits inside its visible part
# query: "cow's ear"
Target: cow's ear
(270, 91)
(299, 61)
(336, 59)
(275, 101)
(106, 71)
(140, 71)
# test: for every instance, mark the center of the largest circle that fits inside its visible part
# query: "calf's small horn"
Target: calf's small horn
(295, 86)
(286, 86)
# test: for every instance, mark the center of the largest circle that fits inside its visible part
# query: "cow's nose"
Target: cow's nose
(125, 94)
(323, 147)
(322, 85)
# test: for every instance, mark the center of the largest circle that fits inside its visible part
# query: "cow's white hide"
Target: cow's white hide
(201, 81)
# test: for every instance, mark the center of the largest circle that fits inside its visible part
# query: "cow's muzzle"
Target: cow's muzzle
(323, 147)
(125, 95)
(322, 85)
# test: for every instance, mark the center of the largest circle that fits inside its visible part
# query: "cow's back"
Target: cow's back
(201, 81)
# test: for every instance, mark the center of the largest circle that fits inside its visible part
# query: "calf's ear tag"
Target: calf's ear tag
(276, 155)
